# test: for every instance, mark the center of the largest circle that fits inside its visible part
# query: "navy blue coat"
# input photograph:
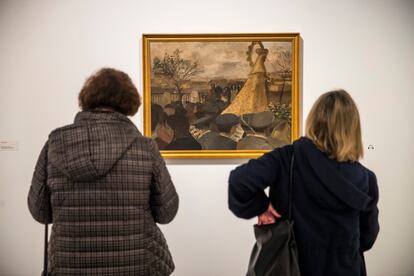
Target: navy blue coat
(334, 205)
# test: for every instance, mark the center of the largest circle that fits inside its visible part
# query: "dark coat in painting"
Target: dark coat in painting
(104, 187)
(184, 143)
(334, 205)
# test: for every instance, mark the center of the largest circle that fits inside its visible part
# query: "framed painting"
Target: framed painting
(221, 95)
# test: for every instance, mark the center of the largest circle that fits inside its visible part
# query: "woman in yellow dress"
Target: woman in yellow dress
(252, 98)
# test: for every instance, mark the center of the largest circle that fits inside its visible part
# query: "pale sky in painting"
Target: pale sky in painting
(219, 59)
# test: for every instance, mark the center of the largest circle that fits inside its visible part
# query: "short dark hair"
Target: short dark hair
(179, 124)
(110, 88)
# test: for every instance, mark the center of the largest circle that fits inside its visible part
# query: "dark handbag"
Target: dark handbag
(44, 272)
(275, 252)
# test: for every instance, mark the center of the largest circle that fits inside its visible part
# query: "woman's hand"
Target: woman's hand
(269, 216)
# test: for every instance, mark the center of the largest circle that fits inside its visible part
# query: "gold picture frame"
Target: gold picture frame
(214, 59)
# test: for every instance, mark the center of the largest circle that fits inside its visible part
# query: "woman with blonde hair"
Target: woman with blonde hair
(334, 196)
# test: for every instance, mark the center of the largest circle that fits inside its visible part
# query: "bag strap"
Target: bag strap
(292, 161)
(44, 273)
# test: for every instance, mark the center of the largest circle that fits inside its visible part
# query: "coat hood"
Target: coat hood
(89, 148)
(339, 184)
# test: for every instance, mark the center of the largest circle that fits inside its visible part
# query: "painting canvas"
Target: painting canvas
(221, 95)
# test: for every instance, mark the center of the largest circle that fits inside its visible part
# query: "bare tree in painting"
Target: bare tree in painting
(283, 66)
(177, 69)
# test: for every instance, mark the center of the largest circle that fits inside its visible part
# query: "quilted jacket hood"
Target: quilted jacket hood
(77, 152)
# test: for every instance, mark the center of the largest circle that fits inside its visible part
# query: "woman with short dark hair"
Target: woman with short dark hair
(104, 187)
(110, 88)
(335, 198)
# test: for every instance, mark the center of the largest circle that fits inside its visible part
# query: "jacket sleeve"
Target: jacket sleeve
(247, 183)
(39, 196)
(163, 198)
(369, 226)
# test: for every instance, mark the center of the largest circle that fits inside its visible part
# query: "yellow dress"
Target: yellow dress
(252, 97)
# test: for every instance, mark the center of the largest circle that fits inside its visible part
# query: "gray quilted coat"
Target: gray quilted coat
(104, 187)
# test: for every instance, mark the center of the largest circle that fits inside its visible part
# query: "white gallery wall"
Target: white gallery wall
(48, 48)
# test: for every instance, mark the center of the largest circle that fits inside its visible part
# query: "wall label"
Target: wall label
(9, 145)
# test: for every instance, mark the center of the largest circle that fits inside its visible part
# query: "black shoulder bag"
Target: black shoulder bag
(275, 252)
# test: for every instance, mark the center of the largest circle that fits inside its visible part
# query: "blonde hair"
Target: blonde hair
(334, 127)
